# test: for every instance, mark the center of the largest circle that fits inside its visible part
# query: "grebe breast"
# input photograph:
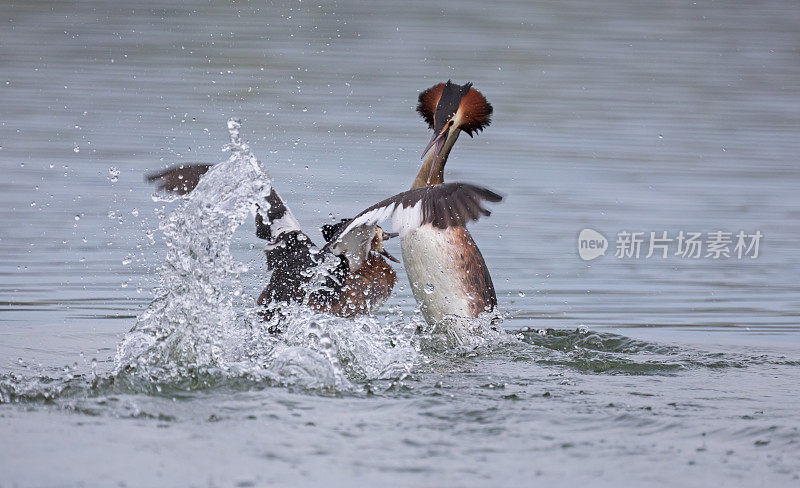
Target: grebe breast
(447, 273)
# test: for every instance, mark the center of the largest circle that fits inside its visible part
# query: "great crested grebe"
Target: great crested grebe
(447, 272)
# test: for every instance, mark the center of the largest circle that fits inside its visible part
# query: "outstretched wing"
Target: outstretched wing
(278, 221)
(178, 179)
(442, 206)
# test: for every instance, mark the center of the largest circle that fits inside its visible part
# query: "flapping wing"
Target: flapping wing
(178, 179)
(354, 244)
(442, 206)
(278, 221)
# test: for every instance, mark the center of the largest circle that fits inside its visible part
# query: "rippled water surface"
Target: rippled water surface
(616, 116)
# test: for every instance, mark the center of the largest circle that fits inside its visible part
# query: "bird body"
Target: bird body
(447, 273)
(305, 273)
(364, 291)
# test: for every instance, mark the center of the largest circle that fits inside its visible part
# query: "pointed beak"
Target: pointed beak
(438, 141)
(381, 236)
(383, 252)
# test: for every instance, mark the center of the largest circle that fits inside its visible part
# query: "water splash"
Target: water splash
(201, 330)
(186, 326)
(464, 335)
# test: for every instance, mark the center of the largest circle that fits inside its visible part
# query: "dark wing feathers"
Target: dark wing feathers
(179, 179)
(277, 220)
(455, 204)
(444, 205)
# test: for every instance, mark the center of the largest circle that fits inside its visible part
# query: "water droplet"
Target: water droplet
(76, 149)
(305, 109)
(429, 288)
(77, 217)
(522, 294)
(113, 174)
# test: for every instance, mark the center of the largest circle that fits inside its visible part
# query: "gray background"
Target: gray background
(613, 115)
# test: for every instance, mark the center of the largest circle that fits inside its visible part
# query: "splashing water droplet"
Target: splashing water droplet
(113, 174)
(234, 127)
(521, 294)
(429, 288)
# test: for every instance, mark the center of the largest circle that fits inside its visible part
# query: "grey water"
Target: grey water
(617, 116)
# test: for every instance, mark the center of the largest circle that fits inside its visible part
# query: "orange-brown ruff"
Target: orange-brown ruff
(447, 272)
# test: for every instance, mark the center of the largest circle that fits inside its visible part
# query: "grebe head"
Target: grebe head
(330, 230)
(448, 109)
(377, 243)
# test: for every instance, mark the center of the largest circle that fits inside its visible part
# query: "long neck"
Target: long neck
(437, 164)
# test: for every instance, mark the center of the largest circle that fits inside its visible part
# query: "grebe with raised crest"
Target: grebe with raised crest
(446, 270)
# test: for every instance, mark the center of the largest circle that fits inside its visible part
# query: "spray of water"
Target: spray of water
(195, 332)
